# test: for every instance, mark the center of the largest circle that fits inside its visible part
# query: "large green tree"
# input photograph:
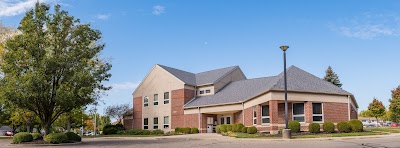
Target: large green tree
(377, 109)
(53, 65)
(118, 111)
(394, 106)
(332, 77)
(365, 113)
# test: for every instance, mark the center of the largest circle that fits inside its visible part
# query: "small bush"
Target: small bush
(314, 128)
(229, 128)
(218, 129)
(294, 126)
(157, 132)
(244, 130)
(119, 126)
(73, 137)
(177, 130)
(224, 128)
(22, 137)
(56, 138)
(251, 130)
(344, 127)
(234, 128)
(185, 130)
(356, 125)
(37, 136)
(110, 129)
(239, 127)
(194, 130)
(328, 127)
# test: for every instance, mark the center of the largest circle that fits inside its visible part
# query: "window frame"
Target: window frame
(145, 126)
(166, 125)
(265, 117)
(201, 92)
(254, 115)
(300, 115)
(208, 91)
(166, 100)
(322, 111)
(155, 102)
(155, 126)
(145, 101)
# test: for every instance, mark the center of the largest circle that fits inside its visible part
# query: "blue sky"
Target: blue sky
(359, 39)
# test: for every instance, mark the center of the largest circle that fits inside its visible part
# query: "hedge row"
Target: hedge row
(143, 132)
(54, 138)
(186, 130)
(113, 129)
(225, 128)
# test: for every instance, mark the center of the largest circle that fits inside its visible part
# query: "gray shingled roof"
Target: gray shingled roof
(240, 91)
(208, 77)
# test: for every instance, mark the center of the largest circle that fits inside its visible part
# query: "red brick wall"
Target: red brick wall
(248, 116)
(128, 123)
(308, 112)
(137, 113)
(335, 112)
(258, 114)
(353, 114)
(178, 99)
(191, 120)
(281, 112)
(238, 117)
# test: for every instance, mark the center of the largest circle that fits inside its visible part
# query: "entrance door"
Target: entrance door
(210, 124)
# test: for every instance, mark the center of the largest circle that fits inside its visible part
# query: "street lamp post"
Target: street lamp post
(286, 133)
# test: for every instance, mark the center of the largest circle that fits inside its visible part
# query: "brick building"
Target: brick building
(168, 98)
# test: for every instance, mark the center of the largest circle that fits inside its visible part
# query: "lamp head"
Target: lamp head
(284, 48)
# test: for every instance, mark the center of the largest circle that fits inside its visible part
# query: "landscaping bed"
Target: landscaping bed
(53, 138)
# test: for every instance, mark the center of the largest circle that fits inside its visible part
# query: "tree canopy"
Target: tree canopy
(376, 108)
(394, 106)
(332, 77)
(117, 111)
(53, 65)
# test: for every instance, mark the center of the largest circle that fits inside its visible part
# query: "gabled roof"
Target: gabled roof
(241, 91)
(208, 77)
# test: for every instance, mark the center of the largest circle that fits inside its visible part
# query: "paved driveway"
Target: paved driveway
(217, 141)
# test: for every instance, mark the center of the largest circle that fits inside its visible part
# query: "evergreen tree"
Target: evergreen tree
(394, 106)
(332, 77)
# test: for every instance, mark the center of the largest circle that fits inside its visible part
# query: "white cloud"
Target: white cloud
(103, 16)
(370, 26)
(16, 7)
(158, 10)
(124, 86)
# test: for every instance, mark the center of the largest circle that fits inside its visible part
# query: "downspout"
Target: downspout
(349, 109)
(243, 113)
(201, 131)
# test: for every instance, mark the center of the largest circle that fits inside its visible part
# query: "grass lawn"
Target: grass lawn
(338, 135)
(6, 137)
(245, 135)
(384, 129)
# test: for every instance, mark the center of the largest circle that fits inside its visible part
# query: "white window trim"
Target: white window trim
(154, 101)
(322, 108)
(301, 115)
(145, 102)
(209, 91)
(169, 96)
(255, 118)
(166, 124)
(147, 123)
(154, 124)
(201, 92)
(264, 117)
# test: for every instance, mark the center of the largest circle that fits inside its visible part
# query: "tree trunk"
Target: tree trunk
(28, 125)
(69, 123)
(47, 127)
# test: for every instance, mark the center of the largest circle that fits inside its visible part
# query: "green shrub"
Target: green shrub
(56, 138)
(110, 129)
(244, 130)
(229, 128)
(194, 130)
(234, 128)
(239, 127)
(137, 132)
(177, 130)
(37, 136)
(251, 130)
(224, 128)
(157, 132)
(119, 126)
(314, 128)
(328, 127)
(294, 126)
(73, 137)
(356, 125)
(22, 137)
(185, 130)
(344, 127)
(218, 129)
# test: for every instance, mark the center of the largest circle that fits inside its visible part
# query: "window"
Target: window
(222, 120)
(145, 101)
(201, 92)
(208, 91)
(145, 123)
(166, 97)
(155, 126)
(228, 120)
(265, 114)
(155, 99)
(254, 115)
(298, 112)
(166, 122)
(317, 112)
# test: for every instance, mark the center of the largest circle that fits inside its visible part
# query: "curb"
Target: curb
(62, 144)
